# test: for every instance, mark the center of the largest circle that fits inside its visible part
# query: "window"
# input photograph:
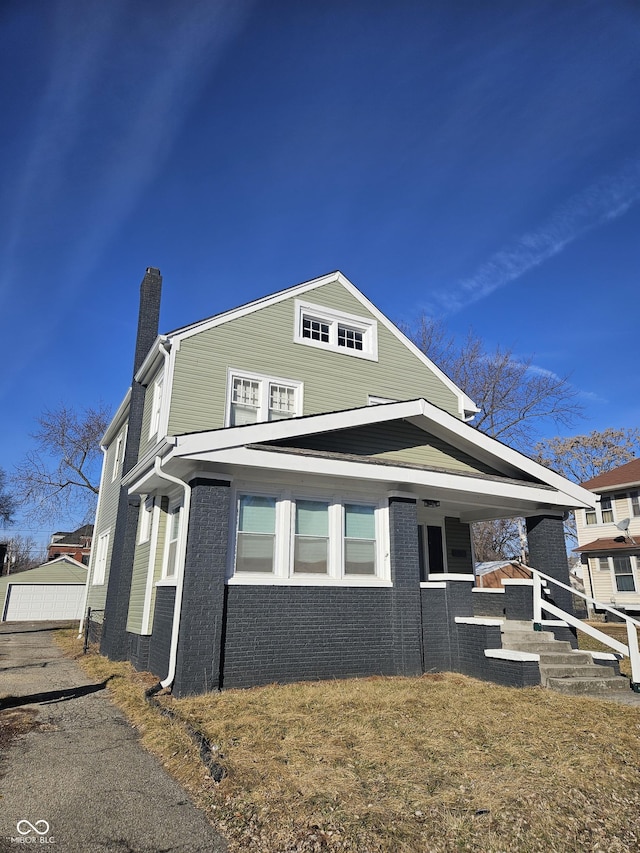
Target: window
(119, 455)
(334, 330)
(146, 514)
(603, 564)
(156, 404)
(634, 497)
(291, 537)
(623, 574)
(606, 509)
(171, 547)
(359, 540)
(256, 534)
(590, 516)
(254, 399)
(311, 539)
(100, 568)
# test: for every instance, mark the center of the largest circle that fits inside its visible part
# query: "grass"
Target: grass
(438, 763)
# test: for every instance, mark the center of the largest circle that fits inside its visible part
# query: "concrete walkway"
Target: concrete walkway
(82, 770)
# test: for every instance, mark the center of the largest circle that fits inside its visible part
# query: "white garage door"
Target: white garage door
(32, 601)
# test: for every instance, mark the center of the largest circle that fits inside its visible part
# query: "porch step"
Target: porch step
(588, 685)
(562, 668)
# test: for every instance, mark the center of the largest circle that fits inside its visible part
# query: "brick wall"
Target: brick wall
(160, 643)
(284, 634)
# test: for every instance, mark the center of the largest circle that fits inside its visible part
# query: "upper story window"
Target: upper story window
(623, 573)
(100, 568)
(634, 498)
(146, 515)
(602, 514)
(156, 404)
(326, 328)
(119, 455)
(254, 398)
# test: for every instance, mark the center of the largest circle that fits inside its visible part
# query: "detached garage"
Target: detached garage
(53, 591)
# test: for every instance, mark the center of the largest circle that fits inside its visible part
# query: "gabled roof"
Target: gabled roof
(84, 532)
(624, 475)
(466, 406)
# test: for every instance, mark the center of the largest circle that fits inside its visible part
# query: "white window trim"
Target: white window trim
(632, 515)
(174, 506)
(265, 381)
(102, 552)
(284, 541)
(119, 454)
(156, 404)
(367, 325)
(598, 512)
(146, 520)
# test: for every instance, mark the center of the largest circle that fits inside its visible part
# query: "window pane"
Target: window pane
(607, 516)
(603, 564)
(359, 557)
(590, 516)
(254, 552)
(312, 518)
(241, 415)
(625, 583)
(349, 338)
(281, 402)
(257, 514)
(315, 330)
(246, 391)
(635, 503)
(622, 565)
(310, 555)
(359, 522)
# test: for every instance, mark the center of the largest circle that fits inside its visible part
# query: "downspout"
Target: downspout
(181, 556)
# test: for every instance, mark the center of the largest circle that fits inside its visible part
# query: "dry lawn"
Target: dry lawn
(438, 763)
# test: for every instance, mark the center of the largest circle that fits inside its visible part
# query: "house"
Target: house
(55, 590)
(76, 544)
(287, 493)
(609, 539)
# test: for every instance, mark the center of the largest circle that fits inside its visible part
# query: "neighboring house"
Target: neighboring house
(609, 539)
(76, 544)
(52, 591)
(287, 493)
(491, 574)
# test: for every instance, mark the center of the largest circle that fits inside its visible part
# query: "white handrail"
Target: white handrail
(631, 650)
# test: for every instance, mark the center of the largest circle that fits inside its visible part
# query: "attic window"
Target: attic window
(326, 328)
(254, 398)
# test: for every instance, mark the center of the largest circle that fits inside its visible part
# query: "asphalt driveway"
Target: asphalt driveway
(81, 777)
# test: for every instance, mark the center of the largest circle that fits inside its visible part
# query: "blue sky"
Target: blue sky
(476, 161)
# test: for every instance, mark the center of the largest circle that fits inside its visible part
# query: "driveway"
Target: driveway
(81, 777)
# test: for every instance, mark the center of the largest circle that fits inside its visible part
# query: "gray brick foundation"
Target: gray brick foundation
(160, 642)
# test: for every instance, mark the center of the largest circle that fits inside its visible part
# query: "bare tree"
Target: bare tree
(513, 395)
(60, 478)
(582, 457)
(23, 553)
(7, 501)
(497, 540)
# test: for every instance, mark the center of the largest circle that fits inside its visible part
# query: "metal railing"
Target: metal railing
(630, 650)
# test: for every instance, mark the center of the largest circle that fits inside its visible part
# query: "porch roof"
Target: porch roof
(607, 544)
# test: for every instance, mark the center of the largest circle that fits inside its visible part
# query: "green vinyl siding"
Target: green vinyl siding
(458, 541)
(55, 572)
(396, 441)
(262, 342)
(105, 521)
(141, 569)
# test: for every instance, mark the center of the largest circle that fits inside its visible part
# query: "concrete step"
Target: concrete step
(537, 647)
(571, 658)
(517, 636)
(578, 686)
(551, 671)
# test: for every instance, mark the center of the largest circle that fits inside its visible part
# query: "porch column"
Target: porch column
(548, 554)
(200, 644)
(406, 622)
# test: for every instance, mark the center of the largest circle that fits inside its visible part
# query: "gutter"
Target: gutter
(180, 561)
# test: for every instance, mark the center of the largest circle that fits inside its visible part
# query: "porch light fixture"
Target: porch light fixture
(430, 503)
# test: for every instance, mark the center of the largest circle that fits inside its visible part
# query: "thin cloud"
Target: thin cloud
(602, 202)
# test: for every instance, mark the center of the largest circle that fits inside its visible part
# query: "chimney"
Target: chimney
(148, 315)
